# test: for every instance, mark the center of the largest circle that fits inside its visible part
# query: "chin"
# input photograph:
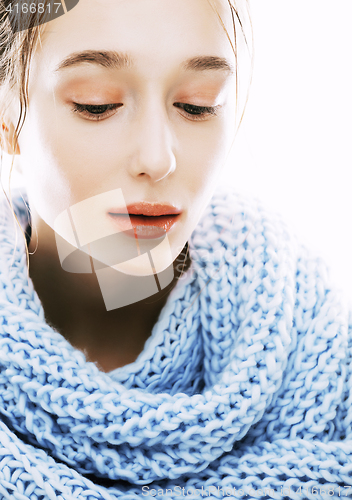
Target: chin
(158, 260)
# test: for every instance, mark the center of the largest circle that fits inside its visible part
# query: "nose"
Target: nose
(153, 145)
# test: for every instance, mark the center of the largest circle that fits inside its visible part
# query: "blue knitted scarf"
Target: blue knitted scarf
(243, 388)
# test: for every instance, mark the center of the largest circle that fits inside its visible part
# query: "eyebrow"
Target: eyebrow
(205, 63)
(107, 59)
(117, 60)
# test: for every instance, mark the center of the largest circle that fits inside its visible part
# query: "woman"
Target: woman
(172, 339)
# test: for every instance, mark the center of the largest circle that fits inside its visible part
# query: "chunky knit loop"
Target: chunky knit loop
(244, 381)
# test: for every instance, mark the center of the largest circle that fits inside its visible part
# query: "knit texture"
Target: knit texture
(244, 383)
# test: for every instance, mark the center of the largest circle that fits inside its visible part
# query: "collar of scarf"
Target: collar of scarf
(213, 366)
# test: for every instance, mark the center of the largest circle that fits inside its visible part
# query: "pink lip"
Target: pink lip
(148, 220)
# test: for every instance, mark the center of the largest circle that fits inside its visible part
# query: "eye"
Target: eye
(197, 112)
(95, 112)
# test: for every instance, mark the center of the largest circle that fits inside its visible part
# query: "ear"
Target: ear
(7, 139)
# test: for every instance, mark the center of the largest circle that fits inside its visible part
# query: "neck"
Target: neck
(74, 306)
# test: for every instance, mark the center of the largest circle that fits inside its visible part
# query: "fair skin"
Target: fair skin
(164, 139)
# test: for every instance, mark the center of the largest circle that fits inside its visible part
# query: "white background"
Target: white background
(293, 149)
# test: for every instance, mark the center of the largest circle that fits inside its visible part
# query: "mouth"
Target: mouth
(148, 220)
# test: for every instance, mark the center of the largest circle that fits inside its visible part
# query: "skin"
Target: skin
(150, 146)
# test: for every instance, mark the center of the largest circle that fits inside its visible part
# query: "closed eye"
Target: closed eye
(194, 112)
(95, 112)
(98, 112)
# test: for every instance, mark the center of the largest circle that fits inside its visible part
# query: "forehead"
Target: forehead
(152, 32)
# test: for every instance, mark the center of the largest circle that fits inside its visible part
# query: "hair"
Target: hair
(17, 46)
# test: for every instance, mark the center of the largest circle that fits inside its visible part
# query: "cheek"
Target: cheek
(207, 149)
(61, 162)
(49, 164)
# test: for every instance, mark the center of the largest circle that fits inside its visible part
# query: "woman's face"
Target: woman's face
(130, 95)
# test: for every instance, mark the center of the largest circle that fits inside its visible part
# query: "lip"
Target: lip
(147, 208)
(148, 219)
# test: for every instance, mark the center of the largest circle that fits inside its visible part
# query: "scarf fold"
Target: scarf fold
(245, 381)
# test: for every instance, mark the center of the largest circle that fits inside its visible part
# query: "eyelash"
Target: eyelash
(86, 110)
(195, 113)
